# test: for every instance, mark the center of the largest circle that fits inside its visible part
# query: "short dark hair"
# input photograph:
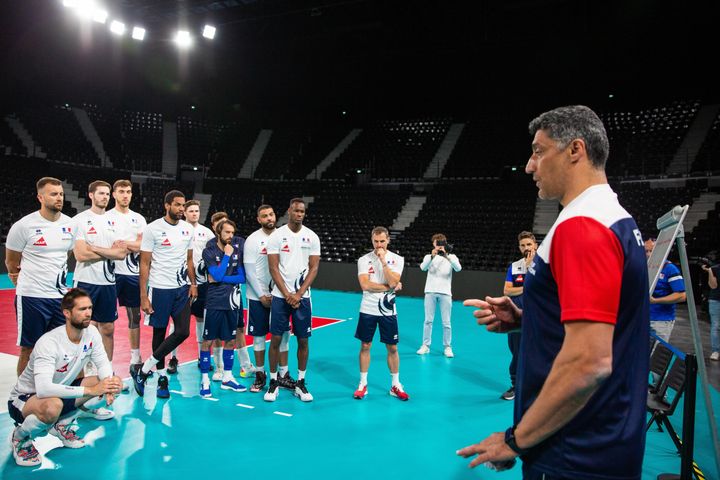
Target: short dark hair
(68, 301)
(190, 203)
(219, 226)
(172, 195)
(47, 180)
(379, 230)
(97, 184)
(217, 216)
(265, 206)
(438, 237)
(566, 124)
(121, 183)
(297, 200)
(526, 234)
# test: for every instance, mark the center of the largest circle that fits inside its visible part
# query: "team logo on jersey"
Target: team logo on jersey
(111, 223)
(285, 248)
(519, 279)
(263, 251)
(63, 369)
(133, 220)
(86, 347)
(92, 230)
(67, 230)
(40, 242)
(166, 243)
(386, 305)
(371, 270)
(38, 231)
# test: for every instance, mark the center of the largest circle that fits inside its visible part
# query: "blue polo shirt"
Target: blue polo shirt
(670, 281)
(516, 275)
(227, 272)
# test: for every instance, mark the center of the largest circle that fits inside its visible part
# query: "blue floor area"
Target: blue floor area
(454, 403)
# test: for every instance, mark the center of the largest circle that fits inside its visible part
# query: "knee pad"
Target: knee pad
(133, 318)
(259, 344)
(285, 342)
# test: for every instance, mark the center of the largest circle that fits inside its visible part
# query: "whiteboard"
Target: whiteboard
(670, 225)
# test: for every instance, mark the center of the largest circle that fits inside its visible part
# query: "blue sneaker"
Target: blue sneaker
(139, 379)
(205, 392)
(233, 385)
(163, 391)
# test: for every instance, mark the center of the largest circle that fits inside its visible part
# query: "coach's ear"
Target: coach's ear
(577, 150)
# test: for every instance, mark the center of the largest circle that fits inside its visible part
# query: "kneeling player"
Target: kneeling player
(48, 392)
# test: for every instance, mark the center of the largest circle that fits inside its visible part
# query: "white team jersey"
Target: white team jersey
(169, 245)
(295, 250)
(127, 227)
(55, 356)
(379, 303)
(44, 246)
(201, 237)
(98, 230)
(255, 252)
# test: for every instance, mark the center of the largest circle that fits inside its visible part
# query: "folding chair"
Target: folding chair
(658, 404)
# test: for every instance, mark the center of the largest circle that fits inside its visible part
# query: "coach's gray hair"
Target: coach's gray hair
(566, 124)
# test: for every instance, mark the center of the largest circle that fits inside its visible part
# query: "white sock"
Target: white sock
(363, 378)
(149, 364)
(217, 355)
(227, 375)
(205, 379)
(31, 427)
(301, 374)
(244, 358)
(395, 379)
(161, 372)
(282, 370)
(135, 355)
(273, 375)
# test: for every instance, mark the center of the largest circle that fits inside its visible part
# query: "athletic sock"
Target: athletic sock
(301, 374)
(162, 372)
(135, 355)
(31, 427)
(273, 375)
(363, 378)
(228, 360)
(395, 379)
(149, 364)
(217, 356)
(199, 329)
(282, 370)
(244, 358)
(205, 361)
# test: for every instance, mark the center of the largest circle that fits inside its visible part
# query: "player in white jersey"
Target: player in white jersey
(36, 261)
(293, 259)
(379, 275)
(48, 392)
(201, 236)
(96, 250)
(167, 286)
(258, 287)
(129, 226)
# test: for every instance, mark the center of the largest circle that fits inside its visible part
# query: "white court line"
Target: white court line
(177, 391)
(244, 406)
(211, 399)
(283, 414)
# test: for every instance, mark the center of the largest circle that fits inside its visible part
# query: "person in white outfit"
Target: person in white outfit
(440, 265)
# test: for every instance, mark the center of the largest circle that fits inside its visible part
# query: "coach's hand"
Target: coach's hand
(498, 314)
(146, 306)
(492, 449)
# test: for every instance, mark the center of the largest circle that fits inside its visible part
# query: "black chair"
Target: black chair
(660, 407)
(659, 362)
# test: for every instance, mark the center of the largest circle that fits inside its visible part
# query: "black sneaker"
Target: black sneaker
(301, 391)
(272, 391)
(139, 378)
(286, 382)
(259, 384)
(172, 366)
(509, 395)
(163, 390)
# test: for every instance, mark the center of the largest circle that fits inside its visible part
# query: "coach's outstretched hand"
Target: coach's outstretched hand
(498, 314)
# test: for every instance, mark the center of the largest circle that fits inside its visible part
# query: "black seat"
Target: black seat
(659, 363)
(660, 407)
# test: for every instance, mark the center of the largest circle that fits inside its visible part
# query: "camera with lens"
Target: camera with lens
(706, 261)
(443, 243)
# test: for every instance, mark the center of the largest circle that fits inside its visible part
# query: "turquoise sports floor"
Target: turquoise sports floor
(454, 402)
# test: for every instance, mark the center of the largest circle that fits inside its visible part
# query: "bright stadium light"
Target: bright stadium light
(183, 38)
(209, 32)
(118, 28)
(100, 15)
(70, 3)
(138, 33)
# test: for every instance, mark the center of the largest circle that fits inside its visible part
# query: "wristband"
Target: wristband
(510, 441)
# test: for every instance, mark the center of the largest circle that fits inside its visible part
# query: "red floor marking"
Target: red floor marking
(121, 360)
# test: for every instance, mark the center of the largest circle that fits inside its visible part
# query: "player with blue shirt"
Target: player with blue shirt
(36, 253)
(669, 290)
(167, 286)
(223, 307)
(584, 356)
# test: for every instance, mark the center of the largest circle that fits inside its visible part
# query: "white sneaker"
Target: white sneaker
(715, 356)
(96, 413)
(448, 352)
(247, 372)
(24, 452)
(217, 376)
(272, 391)
(301, 391)
(423, 350)
(67, 434)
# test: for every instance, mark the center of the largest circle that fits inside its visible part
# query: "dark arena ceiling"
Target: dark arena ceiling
(365, 56)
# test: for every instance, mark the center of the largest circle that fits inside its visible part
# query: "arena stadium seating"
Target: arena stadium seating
(142, 132)
(234, 143)
(9, 142)
(197, 140)
(708, 158)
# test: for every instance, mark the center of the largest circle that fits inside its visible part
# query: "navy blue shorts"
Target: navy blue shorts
(221, 324)
(166, 303)
(198, 306)
(280, 313)
(128, 290)
(15, 407)
(35, 317)
(104, 299)
(367, 324)
(258, 319)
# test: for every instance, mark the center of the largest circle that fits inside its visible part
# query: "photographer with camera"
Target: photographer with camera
(439, 264)
(669, 290)
(714, 308)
